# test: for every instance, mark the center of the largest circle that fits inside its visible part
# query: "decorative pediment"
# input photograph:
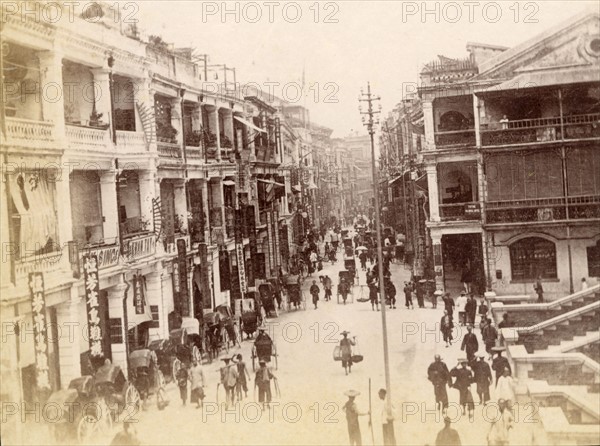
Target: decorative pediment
(573, 45)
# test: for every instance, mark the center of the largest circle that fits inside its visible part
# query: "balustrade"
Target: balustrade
(26, 130)
(455, 138)
(131, 141)
(88, 138)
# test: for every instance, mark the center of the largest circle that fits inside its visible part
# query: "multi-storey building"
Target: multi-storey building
(130, 190)
(510, 160)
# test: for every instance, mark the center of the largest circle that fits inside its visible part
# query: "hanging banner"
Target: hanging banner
(138, 294)
(236, 291)
(92, 288)
(239, 249)
(205, 281)
(251, 263)
(40, 332)
(277, 248)
(176, 283)
(184, 298)
(224, 275)
(284, 242)
(270, 242)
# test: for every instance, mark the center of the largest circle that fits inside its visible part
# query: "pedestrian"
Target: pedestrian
(449, 305)
(363, 260)
(505, 388)
(446, 327)
(505, 323)
(584, 284)
(483, 310)
(539, 290)
(229, 376)
(470, 344)
(196, 377)
(489, 335)
(352, 414)
(440, 377)
(408, 295)
(126, 437)
(466, 277)
(373, 295)
(501, 426)
(182, 377)
(447, 436)
(243, 377)
(500, 363)
(471, 310)
(391, 294)
(483, 378)
(434, 299)
(346, 350)
(327, 284)
(314, 291)
(463, 379)
(387, 419)
(262, 380)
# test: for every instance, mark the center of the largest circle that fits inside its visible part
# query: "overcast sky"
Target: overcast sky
(340, 45)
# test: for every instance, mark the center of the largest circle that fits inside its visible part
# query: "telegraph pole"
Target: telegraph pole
(369, 122)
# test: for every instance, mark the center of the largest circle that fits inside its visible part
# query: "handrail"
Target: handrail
(550, 305)
(558, 319)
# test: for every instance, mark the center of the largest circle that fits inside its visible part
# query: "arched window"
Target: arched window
(531, 257)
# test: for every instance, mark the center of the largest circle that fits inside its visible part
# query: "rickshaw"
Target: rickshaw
(345, 280)
(294, 293)
(250, 319)
(110, 383)
(263, 350)
(83, 414)
(147, 377)
(350, 265)
(267, 298)
(228, 322)
(216, 334)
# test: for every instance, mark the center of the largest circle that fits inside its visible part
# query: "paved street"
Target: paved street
(312, 384)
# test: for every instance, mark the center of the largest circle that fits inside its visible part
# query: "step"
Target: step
(589, 337)
(577, 395)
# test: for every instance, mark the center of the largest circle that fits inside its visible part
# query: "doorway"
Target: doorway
(463, 261)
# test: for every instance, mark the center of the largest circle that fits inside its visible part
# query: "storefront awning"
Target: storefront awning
(249, 124)
(270, 182)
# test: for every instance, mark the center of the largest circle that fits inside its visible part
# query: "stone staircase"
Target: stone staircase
(555, 350)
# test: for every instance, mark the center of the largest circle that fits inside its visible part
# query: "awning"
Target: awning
(269, 182)
(228, 183)
(249, 124)
(393, 180)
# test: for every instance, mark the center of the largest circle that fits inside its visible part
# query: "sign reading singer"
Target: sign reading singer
(40, 334)
(92, 288)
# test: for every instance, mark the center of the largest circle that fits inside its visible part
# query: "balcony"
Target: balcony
(460, 212)
(139, 246)
(170, 151)
(29, 133)
(131, 141)
(540, 130)
(455, 138)
(543, 210)
(50, 263)
(88, 138)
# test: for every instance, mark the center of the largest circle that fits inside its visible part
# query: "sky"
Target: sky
(339, 46)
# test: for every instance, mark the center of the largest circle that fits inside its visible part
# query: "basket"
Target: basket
(337, 353)
(357, 358)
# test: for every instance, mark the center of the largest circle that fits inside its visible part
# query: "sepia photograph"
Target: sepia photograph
(250, 223)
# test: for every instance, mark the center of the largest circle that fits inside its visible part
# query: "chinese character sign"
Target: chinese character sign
(184, 299)
(92, 289)
(38, 308)
(138, 294)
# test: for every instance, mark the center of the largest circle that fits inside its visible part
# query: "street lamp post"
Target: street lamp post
(369, 123)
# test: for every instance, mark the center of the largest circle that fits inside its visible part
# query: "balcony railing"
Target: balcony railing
(541, 130)
(455, 138)
(131, 141)
(28, 132)
(140, 246)
(193, 154)
(460, 211)
(108, 256)
(45, 263)
(169, 150)
(543, 209)
(88, 138)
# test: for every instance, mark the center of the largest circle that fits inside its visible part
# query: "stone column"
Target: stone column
(63, 206)
(110, 213)
(168, 305)
(71, 335)
(8, 246)
(52, 86)
(476, 106)
(434, 201)
(206, 211)
(102, 94)
(155, 296)
(438, 259)
(115, 310)
(429, 125)
(147, 180)
(181, 202)
(213, 119)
